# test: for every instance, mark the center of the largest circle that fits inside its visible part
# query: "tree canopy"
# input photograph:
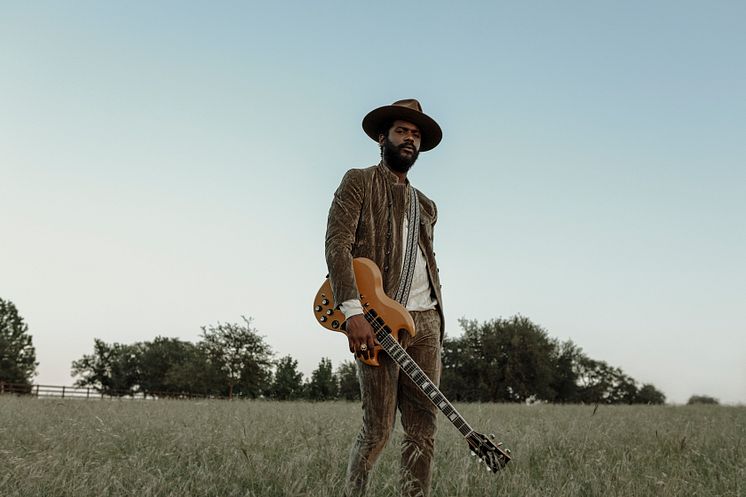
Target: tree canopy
(17, 352)
(515, 360)
(323, 384)
(702, 399)
(288, 381)
(111, 368)
(500, 360)
(349, 385)
(241, 354)
(231, 359)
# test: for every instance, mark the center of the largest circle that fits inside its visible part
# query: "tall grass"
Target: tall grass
(256, 448)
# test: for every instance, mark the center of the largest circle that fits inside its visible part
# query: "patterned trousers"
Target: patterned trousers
(384, 389)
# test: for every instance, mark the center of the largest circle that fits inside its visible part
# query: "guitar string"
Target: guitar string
(448, 410)
(493, 457)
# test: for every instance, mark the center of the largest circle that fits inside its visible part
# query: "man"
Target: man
(370, 217)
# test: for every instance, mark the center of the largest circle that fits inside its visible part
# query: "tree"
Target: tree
(702, 399)
(648, 394)
(196, 374)
(323, 384)
(17, 352)
(111, 369)
(514, 360)
(349, 385)
(565, 381)
(241, 354)
(462, 378)
(288, 381)
(173, 366)
(600, 383)
(503, 360)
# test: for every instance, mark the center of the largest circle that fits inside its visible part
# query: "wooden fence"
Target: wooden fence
(67, 392)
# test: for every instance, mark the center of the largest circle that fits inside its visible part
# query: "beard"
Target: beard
(394, 158)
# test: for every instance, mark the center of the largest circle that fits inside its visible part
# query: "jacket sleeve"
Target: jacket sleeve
(344, 215)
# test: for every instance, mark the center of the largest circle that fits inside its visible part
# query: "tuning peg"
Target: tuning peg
(492, 436)
(508, 451)
(499, 444)
(473, 454)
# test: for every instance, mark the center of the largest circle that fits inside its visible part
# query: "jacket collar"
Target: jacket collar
(388, 174)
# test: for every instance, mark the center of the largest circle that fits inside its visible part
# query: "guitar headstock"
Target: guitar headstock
(492, 455)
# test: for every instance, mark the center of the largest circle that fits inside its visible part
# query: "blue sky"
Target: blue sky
(169, 165)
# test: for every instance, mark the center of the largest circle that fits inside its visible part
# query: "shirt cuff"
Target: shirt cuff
(351, 307)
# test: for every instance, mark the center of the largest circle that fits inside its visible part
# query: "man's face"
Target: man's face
(402, 145)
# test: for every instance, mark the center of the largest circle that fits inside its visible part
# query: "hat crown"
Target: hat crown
(409, 103)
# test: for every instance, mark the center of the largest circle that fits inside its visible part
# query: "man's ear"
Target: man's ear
(381, 138)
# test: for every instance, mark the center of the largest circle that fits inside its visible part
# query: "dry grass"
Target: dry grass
(256, 448)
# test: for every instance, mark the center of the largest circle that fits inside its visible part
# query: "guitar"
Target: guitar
(388, 317)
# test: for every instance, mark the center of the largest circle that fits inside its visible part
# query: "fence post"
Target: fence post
(37, 390)
(88, 393)
(63, 392)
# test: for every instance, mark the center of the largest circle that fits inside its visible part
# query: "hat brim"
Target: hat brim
(429, 130)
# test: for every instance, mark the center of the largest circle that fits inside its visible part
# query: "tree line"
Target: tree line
(230, 360)
(515, 360)
(501, 360)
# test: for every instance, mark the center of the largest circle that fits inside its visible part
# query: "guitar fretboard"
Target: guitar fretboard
(415, 373)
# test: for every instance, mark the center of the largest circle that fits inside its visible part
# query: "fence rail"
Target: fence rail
(68, 392)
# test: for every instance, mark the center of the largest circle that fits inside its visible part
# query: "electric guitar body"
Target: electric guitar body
(370, 285)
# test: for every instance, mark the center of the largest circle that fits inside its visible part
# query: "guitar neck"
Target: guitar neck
(415, 373)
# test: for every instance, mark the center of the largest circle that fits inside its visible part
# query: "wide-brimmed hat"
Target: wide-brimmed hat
(408, 110)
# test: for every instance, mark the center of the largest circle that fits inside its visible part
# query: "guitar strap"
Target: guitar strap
(410, 254)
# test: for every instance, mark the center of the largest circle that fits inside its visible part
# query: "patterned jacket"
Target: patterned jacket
(366, 220)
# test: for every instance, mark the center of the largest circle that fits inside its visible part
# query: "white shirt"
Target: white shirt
(420, 295)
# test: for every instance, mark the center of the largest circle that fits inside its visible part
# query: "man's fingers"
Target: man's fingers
(359, 334)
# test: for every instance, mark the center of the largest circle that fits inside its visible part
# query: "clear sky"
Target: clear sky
(166, 165)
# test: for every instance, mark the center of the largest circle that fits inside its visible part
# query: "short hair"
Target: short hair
(386, 127)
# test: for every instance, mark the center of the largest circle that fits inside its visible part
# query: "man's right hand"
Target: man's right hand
(359, 332)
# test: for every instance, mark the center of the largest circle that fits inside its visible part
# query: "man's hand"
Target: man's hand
(360, 332)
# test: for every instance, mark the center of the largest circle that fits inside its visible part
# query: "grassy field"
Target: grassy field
(255, 448)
